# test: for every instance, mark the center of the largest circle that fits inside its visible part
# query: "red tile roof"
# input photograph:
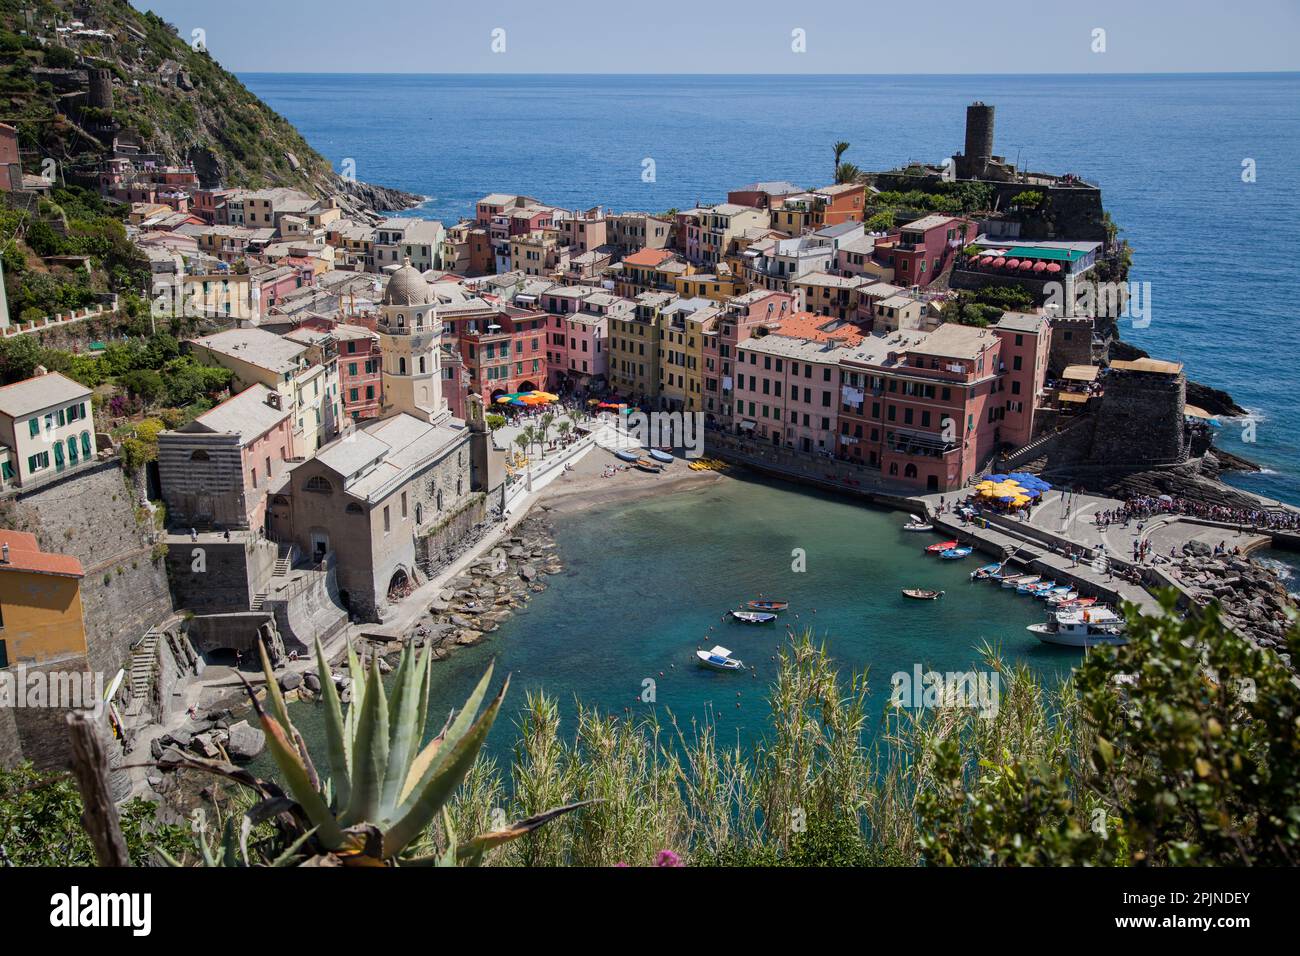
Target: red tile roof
(648, 257)
(26, 555)
(807, 325)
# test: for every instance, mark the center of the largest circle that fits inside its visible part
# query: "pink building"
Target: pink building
(787, 392)
(741, 316)
(216, 470)
(586, 351)
(922, 406)
(925, 248)
(1026, 344)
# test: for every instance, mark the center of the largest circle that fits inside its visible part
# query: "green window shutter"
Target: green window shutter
(34, 426)
(85, 444)
(58, 454)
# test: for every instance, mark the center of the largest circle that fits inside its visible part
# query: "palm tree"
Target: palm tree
(548, 418)
(530, 435)
(848, 173)
(522, 440)
(840, 149)
(563, 428)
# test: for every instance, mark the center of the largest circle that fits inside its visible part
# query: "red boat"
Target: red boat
(941, 546)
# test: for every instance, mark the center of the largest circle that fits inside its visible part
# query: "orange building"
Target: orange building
(40, 603)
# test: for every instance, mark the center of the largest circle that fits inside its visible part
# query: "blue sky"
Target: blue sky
(755, 36)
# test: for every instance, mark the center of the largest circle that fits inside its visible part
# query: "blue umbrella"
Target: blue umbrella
(998, 477)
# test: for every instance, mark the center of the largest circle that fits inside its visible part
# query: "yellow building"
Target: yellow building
(683, 325)
(40, 603)
(719, 286)
(634, 347)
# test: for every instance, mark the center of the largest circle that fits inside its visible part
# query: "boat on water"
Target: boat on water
(1047, 594)
(921, 594)
(767, 605)
(918, 524)
(662, 456)
(1016, 580)
(1085, 627)
(645, 464)
(1076, 602)
(624, 454)
(1062, 597)
(720, 659)
(942, 546)
(954, 554)
(754, 617)
(1035, 587)
(985, 571)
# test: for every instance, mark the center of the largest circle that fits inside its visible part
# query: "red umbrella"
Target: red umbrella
(1053, 267)
(1025, 265)
(1040, 266)
(1013, 263)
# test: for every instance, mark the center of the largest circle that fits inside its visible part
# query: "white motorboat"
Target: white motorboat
(720, 659)
(918, 524)
(1016, 580)
(1084, 627)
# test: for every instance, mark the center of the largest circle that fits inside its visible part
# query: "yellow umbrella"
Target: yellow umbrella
(984, 485)
(1020, 500)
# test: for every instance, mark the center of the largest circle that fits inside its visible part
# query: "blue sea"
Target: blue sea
(1167, 150)
(648, 581)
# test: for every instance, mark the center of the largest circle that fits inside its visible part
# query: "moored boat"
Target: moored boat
(921, 594)
(1062, 597)
(720, 659)
(1046, 594)
(1016, 580)
(954, 554)
(985, 571)
(767, 605)
(1085, 627)
(1035, 587)
(753, 617)
(942, 546)
(918, 524)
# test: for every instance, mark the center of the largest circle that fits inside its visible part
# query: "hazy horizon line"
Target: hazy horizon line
(780, 75)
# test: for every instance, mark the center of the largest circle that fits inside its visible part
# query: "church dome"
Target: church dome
(407, 286)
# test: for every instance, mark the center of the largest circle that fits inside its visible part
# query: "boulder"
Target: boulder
(310, 680)
(291, 681)
(246, 742)
(527, 572)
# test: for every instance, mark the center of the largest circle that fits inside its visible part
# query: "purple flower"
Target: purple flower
(668, 858)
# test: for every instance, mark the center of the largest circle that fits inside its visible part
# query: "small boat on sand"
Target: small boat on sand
(624, 454)
(753, 617)
(662, 456)
(921, 594)
(985, 571)
(942, 546)
(956, 554)
(645, 464)
(720, 659)
(918, 524)
(767, 605)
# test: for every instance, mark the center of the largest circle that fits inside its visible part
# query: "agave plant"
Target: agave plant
(384, 789)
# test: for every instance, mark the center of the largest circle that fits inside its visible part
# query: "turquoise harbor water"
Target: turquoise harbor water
(647, 582)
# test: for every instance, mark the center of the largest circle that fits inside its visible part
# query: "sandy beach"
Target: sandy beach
(583, 487)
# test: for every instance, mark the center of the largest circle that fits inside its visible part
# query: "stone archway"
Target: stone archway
(399, 585)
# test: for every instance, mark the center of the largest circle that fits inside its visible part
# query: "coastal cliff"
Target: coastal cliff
(128, 77)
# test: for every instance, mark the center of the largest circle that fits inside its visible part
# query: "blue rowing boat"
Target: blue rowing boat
(663, 456)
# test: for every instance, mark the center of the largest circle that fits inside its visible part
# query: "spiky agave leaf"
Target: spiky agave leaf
(338, 743)
(298, 781)
(421, 767)
(471, 853)
(405, 725)
(369, 752)
(445, 773)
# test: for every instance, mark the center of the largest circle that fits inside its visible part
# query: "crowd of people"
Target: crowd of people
(1146, 507)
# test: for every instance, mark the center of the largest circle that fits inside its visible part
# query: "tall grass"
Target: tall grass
(811, 790)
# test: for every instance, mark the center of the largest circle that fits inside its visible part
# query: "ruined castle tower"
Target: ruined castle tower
(101, 88)
(979, 138)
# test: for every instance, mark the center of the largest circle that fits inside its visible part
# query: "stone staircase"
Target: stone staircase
(284, 562)
(143, 669)
(258, 601)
